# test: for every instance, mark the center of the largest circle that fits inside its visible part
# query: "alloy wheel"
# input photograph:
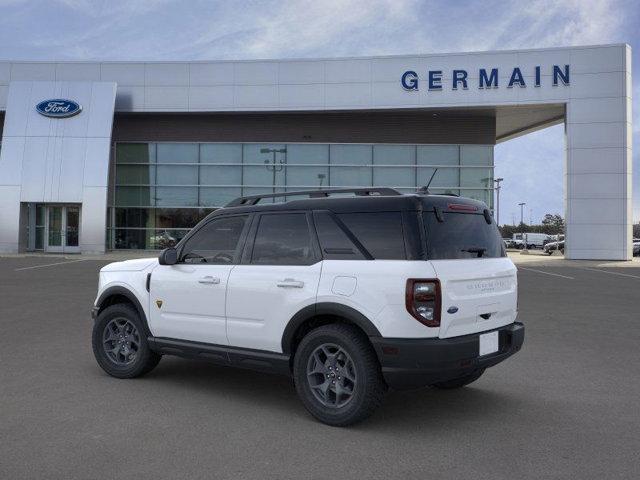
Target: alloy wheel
(331, 375)
(121, 341)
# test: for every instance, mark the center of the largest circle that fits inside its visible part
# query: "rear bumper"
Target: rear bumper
(412, 363)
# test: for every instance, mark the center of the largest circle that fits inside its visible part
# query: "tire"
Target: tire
(126, 329)
(360, 381)
(459, 382)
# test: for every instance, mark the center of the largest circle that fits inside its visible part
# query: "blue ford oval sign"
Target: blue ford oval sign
(58, 108)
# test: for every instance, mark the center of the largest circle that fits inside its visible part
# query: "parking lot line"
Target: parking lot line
(546, 273)
(611, 273)
(48, 265)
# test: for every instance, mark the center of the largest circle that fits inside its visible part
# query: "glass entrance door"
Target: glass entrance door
(62, 229)
(54, 230)
(72, 229)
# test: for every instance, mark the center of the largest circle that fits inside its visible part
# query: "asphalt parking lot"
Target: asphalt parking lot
(565, 407)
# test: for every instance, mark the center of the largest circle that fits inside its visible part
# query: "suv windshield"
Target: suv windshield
(462, 235)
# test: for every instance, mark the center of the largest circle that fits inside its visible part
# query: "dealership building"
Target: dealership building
(98, 156)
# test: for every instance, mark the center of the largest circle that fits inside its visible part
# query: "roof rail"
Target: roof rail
(360, 192)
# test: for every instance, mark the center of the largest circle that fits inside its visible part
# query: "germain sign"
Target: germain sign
(487, 78)
(58, 108)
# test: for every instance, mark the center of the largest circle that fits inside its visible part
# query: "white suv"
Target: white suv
(347, 291)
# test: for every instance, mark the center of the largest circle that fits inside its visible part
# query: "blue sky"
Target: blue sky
(207, 30)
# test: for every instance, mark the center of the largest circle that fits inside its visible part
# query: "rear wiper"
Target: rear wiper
(479, 250)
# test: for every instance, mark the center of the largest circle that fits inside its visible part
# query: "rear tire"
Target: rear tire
(337, 375)
(459, 382)
(120, 343)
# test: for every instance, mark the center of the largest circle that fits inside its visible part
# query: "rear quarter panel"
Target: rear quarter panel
(376, 288)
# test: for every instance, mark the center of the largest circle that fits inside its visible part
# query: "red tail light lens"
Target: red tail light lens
(423, 301)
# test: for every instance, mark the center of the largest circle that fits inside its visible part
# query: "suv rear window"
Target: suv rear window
(379, 232)
(462, 235)
(334, 242)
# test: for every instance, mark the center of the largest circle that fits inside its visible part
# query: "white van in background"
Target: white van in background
(531, 240)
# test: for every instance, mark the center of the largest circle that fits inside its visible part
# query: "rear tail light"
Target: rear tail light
(423, 301)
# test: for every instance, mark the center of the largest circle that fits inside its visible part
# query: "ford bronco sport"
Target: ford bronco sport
(348, 291)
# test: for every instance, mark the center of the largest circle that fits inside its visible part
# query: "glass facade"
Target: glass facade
(163, 189)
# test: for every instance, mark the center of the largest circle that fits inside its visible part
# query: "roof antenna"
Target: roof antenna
(425, 189)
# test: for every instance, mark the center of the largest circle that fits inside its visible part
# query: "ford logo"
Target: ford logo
(58, 108)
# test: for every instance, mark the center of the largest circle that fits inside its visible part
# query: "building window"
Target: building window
(161, 190)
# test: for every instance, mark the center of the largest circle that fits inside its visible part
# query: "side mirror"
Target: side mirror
(169, 256)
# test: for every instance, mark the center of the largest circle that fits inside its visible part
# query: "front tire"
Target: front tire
(337, 375)
(120, 343)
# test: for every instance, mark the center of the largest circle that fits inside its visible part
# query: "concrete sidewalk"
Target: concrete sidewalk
(536, 257)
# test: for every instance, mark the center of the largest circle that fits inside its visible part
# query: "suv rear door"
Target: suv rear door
(278, 276)
(478, 281)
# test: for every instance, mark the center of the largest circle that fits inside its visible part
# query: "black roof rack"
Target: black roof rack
(360, 192)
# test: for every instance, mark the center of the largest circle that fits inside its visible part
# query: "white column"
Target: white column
(598, 206)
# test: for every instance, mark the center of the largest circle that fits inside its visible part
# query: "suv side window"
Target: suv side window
(283, 239)
(215, 243)
(380, 233)
(334, 242)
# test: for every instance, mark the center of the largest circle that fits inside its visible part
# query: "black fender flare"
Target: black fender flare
(326, 308)
(125, 292)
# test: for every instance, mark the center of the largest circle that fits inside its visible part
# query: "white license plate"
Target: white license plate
(489, 343)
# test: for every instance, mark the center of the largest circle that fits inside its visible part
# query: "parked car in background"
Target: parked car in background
(509, 243)
(551, 247)
(163, 240)
(636, 247)
(531, 240)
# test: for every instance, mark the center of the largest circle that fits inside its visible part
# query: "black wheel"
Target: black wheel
(460, 381)
(337, 375)
(120, 345)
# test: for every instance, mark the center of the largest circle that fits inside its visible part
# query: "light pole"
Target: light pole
(273, 165)
(525, 248)
(522, 212)
(497, 182)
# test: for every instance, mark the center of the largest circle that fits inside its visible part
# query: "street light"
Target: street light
(522, 212)
(273, 165)
(497, 182)
(524, 235)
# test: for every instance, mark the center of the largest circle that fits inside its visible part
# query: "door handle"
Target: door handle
(290, 283)
(209, 280)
